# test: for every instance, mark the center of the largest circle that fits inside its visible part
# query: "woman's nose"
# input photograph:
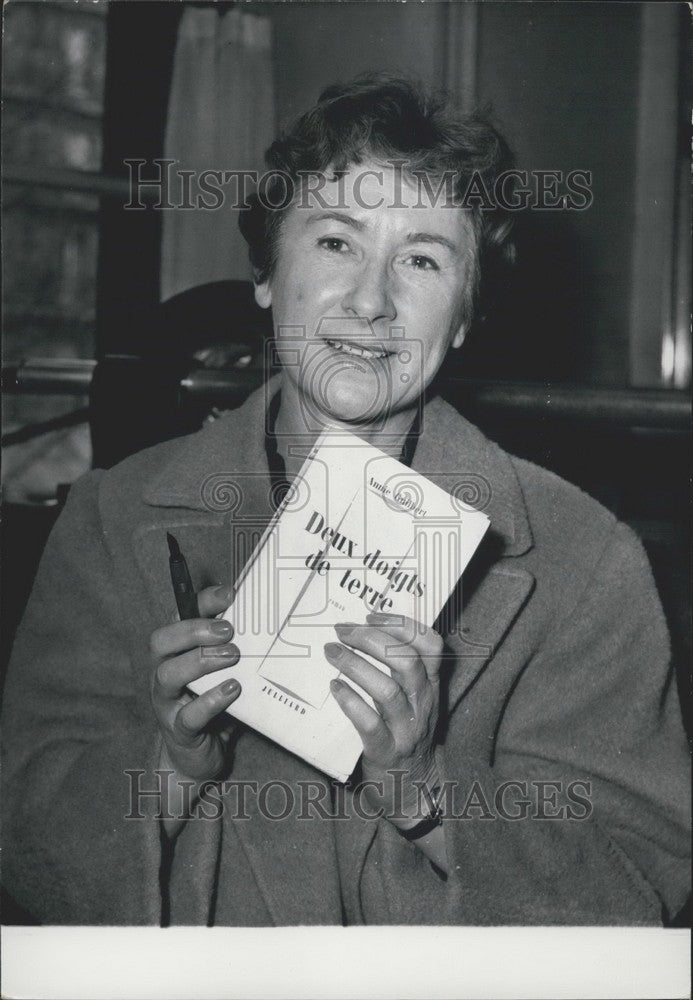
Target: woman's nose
(369, 295)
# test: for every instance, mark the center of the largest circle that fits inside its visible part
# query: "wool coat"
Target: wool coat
(559, 674)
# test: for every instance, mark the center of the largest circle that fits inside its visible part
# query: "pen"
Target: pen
(186, 598)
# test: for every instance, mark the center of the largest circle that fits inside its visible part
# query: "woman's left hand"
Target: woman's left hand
(399, 735)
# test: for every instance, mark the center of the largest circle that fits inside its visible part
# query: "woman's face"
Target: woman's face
(368, 293)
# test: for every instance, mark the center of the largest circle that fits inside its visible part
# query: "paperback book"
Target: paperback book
(357, 532)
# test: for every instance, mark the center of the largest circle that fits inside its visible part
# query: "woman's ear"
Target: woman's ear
(458, 339)
(263, 294)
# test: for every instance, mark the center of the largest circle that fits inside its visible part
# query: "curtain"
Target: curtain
(220, 117)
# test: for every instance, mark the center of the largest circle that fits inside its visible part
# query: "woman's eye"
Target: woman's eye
(333, 243)
(422, 263)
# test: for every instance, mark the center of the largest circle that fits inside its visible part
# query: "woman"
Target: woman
(548, 705)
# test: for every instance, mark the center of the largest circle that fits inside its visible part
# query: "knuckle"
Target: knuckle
(161, 675)
(165, 685)
(371, 726)
(199, 632)
(156, 641)
(391, 692)
(184, 729)
(408, 663)
(434, 642)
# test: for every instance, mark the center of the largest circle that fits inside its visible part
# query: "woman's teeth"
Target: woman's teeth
(360, 352)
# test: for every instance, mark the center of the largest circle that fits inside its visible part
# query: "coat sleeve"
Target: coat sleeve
(72, 728)
(597, 705)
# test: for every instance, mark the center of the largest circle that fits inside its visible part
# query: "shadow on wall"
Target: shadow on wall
(533, 316)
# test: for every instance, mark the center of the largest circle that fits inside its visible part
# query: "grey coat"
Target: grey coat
(561, 673)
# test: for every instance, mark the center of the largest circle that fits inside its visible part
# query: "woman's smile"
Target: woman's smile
(361, 352)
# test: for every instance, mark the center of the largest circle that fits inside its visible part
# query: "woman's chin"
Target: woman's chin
(352, 404)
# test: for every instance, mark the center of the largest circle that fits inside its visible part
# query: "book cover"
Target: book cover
(357, 532)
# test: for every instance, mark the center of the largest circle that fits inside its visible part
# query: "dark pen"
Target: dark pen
(186, 598)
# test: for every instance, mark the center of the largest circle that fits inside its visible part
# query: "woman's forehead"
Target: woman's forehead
(376, 196)
(375, 183)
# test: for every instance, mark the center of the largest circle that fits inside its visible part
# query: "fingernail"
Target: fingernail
(224, 592)
(229, 687)
(333, 650)
(378, 618)
(221, 628)
(345, 628)
(225, 651)
(336, 685)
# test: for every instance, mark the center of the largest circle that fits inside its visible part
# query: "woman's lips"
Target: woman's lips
(356, 350)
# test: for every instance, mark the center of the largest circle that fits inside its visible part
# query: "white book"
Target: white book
(357, 532)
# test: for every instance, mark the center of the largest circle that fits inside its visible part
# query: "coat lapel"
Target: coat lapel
(493, 590)
(214, 497)
(485, 619)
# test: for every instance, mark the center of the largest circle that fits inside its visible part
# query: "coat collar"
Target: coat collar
(450, 450)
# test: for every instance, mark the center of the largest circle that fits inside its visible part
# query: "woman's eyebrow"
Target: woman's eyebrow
(359, 226)
(433, 238)
(348, 220)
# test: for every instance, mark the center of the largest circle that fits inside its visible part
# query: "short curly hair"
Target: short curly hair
(384, 118)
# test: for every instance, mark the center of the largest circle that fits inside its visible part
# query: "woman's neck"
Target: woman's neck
(296, 431)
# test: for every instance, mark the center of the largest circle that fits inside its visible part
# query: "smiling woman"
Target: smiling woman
(366, 282)
(378, 260)
(552, 674)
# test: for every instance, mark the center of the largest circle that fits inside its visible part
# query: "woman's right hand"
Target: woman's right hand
(195, 741)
